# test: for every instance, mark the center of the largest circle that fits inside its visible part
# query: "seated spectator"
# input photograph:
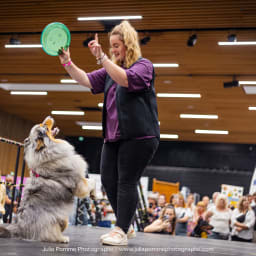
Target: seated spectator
(108, 216)
(2, 200)
(199, 213)
(173, 199)
(182, 215)
(191, 209)
(165, 223)
(206, 201)
(220, 218)
(213, 201)
(8, 198)
(160, 205)
(190, 203)
(242, 221)
(152, 205)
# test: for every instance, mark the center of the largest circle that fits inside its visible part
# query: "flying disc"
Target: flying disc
(55, 36)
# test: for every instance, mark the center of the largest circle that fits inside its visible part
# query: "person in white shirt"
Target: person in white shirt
(242, 221)
(220, 218)
(213, 200)
(191, 209)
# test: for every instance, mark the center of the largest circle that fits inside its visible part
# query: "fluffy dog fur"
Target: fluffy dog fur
(57, 175)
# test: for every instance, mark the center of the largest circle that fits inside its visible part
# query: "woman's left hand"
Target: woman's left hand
(95, 47)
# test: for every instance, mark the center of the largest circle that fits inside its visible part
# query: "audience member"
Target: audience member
(242, 221)
(160, 205)
(206, 201)
(212, 202)
(191, 209)
(2, 200)
(182, 216)
(152, 205)
(220, 218)
(8, 198)
(199, 213)
(165, 223)
(173, 199)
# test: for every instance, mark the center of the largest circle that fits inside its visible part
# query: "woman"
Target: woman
(130, 121)
(152, 205)
(2, 200)
(183, 216)
(199, 213)
(191, 209)
(242, 221)
(173, 199)
(165, 223)
(161, 202)
(220, 218)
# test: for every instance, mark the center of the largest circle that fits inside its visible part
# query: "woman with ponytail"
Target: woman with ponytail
(130, 121)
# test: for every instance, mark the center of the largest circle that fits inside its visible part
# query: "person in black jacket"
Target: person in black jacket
(130, 121)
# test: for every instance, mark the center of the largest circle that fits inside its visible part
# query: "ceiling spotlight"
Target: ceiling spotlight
(145, 40)
(87, 40)
(232, 38)
(234, 83)
(192, 40)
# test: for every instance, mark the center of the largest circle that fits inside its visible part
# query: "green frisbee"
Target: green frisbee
(55, 36)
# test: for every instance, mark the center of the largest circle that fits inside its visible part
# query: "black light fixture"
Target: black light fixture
(234, 83)
(87, 40)
(110, 24)
(14, 40)
(145, 40)
(232, 38)
(192, 40)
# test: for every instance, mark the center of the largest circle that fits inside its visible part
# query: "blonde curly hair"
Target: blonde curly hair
(129, 36)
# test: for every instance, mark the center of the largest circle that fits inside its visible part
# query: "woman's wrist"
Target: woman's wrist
(102, 58)
(67, 63)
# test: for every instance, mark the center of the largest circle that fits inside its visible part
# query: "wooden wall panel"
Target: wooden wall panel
(13, 128)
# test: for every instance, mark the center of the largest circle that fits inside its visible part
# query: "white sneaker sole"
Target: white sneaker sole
(129, 236)
(113, 243)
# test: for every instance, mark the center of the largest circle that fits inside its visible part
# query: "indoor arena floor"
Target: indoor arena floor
(85, 241)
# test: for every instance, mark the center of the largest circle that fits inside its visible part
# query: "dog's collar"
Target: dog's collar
(35, 173)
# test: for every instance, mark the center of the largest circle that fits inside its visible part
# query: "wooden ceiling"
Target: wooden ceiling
(202, 68)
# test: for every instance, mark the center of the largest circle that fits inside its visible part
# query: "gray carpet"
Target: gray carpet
(85, 241)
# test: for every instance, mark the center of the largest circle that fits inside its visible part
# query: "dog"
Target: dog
(57, 174)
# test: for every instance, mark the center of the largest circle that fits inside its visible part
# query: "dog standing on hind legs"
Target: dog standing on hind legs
(57, 175)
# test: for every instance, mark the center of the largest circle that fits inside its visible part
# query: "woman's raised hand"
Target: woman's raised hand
(95, 47)
(64, 55)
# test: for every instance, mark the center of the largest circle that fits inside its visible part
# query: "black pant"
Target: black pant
(6, 216)
(122, 164)
(236, 238)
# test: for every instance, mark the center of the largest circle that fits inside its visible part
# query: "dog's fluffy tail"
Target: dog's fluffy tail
(4, 233)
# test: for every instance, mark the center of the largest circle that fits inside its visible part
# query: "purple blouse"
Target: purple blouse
(139, 77)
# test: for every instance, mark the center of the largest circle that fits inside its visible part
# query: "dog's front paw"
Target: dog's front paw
(92, 188)
(64, 239)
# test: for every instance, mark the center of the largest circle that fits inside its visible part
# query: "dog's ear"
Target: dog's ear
(49, 122)
(39, 144)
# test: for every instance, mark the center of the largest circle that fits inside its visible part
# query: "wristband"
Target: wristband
(67, 64)
(101, 59)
